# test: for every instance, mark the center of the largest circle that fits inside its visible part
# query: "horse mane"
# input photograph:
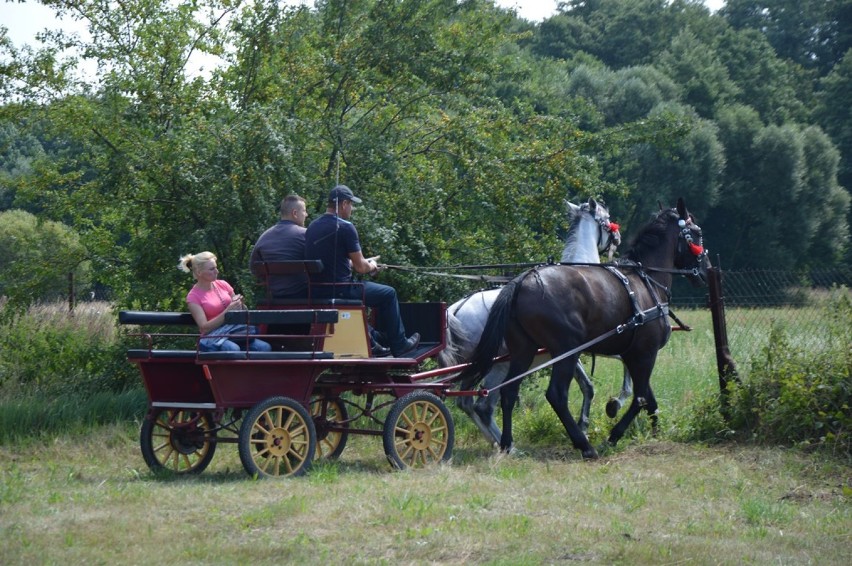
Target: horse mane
(651, 235)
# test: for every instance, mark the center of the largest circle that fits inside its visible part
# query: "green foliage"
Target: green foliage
(463, 128)
(793, 396)
(836, 119)
(48, 351)
(38, 256)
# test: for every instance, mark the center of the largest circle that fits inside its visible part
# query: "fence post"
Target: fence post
(725, 364)
(70, 291)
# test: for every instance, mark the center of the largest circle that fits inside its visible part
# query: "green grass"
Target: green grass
(33, 417)
(88, 498)
(74, 489)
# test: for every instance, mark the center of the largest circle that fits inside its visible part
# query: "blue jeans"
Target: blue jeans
(215, 342)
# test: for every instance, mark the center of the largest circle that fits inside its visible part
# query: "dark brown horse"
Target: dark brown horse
(609, 309)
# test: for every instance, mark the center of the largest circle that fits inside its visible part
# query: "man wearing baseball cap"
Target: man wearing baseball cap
(333, 239)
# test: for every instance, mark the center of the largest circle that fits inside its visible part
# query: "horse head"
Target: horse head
(691, 254)
(609, 234)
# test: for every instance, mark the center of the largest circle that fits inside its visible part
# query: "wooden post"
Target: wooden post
(725, 364)
(70, 291)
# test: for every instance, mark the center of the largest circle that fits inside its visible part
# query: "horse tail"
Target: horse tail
(492, 336)
(449, 356)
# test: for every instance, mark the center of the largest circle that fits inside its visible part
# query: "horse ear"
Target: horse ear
(681, 208)
(572, 208)
(592, 204)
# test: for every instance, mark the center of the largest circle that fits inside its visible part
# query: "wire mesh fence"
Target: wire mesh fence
(802, 305)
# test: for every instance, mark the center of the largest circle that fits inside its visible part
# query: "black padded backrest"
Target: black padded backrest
(306, 316)
(310, 302)
(159, 318)
(275, 356)
(266, 268)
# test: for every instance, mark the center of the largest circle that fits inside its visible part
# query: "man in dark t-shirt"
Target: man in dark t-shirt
(284, 242)
(333, 239)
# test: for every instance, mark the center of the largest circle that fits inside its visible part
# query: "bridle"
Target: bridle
(609, 234)
(687, 225)
(685, 237)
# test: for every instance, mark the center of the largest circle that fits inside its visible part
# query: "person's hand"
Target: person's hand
(373, 261)
(236, 303)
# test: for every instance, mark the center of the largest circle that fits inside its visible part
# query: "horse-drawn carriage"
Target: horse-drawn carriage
(320, 382)
(288, 406)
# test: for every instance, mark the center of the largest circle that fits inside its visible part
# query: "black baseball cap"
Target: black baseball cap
(341, 193)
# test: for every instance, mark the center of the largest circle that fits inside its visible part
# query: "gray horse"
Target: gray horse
(590, 234)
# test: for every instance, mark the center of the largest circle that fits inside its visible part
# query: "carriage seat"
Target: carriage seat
(142, 318)
(305, 326)
(265, 269)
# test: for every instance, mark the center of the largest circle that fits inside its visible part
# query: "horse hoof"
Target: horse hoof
(590, 454)
(612, 407)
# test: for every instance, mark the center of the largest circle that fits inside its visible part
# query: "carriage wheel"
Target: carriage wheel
(178, 441)
(330, 444)
(277, 439)
(418, 431)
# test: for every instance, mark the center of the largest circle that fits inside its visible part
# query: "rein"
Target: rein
(638, 319)
(482, 278)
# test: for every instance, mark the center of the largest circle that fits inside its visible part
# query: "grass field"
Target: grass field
(82, 494)
(89, 499)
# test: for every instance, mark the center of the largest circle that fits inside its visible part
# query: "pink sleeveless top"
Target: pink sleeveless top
(213, 301)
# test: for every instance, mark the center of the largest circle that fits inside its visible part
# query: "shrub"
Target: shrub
(793, 396)
(50, 351)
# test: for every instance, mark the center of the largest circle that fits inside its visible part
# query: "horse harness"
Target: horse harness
(640, 317)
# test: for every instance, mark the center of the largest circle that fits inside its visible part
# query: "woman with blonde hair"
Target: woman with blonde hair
(208, 301)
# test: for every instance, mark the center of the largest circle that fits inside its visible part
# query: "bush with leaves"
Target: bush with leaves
(48, 351)
(793, 396)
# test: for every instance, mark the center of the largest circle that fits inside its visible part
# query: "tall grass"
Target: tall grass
(49, 350)
(34, 417)
(62, 369)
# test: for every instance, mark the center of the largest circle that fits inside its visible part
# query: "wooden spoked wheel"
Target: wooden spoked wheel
(277, 439)
(178, 441)
(418, 431)
(330, 443)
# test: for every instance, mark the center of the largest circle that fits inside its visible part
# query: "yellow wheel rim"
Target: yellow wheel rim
(280, 439)
(421, 434)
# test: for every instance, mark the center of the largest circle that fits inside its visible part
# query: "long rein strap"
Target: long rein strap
(482, 278)
(640, 318)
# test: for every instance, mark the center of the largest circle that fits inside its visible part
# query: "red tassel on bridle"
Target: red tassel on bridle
(696, 249)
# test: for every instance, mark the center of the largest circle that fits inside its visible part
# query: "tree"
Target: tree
(825, 200)
(696, 67)
(690, 168)
(38, 257)
(834, 112)
(18, 149)
(803, 31)
(763, 81)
